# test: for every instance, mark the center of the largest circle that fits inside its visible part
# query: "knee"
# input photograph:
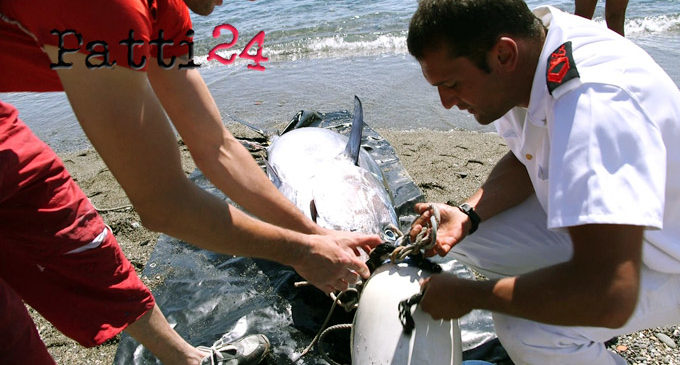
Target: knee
(529, 342)
(518, 336)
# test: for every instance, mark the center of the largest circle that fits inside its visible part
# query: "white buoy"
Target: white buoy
(377, 333)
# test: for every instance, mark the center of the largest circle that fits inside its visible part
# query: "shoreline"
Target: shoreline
(446, 165)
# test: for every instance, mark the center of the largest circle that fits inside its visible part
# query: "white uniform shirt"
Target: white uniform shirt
(605, 146)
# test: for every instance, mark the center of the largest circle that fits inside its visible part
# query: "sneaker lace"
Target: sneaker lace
(214, 353)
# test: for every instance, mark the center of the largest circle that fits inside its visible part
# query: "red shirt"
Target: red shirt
(125, 28)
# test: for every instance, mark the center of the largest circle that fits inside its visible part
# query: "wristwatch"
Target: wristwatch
(474, 217)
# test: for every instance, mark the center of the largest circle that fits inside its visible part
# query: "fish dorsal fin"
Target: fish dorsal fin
(354, 143)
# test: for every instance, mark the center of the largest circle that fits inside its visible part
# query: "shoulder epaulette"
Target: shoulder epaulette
(561, 67)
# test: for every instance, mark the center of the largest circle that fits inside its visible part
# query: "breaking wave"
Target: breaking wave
(300, 44)
(653, 24)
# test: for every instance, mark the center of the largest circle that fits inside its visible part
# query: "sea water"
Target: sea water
(321, 53)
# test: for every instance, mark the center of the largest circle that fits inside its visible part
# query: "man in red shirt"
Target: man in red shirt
(125, 68)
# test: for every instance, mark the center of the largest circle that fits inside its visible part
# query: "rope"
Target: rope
(336, 302)
(112, 209)
(425, 239)
(346, 326)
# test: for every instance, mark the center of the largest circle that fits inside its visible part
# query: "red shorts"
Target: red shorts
(55, 250)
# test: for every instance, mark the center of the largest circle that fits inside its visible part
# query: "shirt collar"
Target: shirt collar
(537, 110)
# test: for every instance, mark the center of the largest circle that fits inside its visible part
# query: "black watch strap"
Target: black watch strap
(474, 217)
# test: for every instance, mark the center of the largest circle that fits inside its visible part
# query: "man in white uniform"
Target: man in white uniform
(579, 224)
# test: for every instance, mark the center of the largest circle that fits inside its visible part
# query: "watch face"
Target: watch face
(470, 212)
(467, 209)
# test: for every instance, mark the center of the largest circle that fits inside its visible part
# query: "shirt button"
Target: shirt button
(529, 156)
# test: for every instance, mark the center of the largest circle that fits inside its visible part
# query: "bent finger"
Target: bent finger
(352, 277)
(442, 249)
(415, 229)
(341, 285)
(360, 268)
(372, 241)
(425, 301)
(431, 252)
(421, 207)
(423, 217)
(424, 283)
(369, 240)
(367, 249)
(327, 289)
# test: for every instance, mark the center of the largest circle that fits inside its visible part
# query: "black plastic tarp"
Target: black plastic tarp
(206, 295)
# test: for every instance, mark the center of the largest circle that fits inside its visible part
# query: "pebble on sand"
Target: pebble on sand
(665, 339)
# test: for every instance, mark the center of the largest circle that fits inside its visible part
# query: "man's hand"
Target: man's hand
(604, 269)
(440, 300)
(332, 261)
(452, 227)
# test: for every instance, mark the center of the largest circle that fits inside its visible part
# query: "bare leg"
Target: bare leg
(154, 332)
(615, 14)
(585, 8)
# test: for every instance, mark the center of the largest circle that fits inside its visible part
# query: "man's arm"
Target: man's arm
(604, 269)
(223, 160)
(508, 184)
(119, 112)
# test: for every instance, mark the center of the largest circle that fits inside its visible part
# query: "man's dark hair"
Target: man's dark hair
(468, 27)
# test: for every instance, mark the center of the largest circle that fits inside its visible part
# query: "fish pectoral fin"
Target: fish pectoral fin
(273, 174)
(303, 118)
(312, 210)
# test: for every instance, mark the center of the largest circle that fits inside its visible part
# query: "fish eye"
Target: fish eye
(389, 235)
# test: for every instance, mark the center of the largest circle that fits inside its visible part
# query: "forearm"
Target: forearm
(551, 295)
(508, 184)
(604, 269)
(232, 169)
(198, 217)
(224, 161)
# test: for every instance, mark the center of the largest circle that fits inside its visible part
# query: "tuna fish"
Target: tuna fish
(337, 184)
(332, 179)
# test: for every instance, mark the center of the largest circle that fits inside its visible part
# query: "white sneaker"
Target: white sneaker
(249, 350)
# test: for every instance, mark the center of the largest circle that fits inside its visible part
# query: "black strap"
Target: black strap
(474, 217)
(378, 255)
(405, 316)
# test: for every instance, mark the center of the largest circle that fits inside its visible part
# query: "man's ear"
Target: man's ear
(505, 54)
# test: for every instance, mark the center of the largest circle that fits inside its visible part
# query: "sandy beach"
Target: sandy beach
(447, 166)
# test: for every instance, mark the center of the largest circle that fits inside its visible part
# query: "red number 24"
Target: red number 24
(257, 57)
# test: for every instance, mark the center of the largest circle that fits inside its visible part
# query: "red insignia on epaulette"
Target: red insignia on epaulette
(561, 67)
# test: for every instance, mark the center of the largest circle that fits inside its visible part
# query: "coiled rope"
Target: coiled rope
(425, 240)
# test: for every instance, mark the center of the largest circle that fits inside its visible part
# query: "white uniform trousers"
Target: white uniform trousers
(517, 241)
